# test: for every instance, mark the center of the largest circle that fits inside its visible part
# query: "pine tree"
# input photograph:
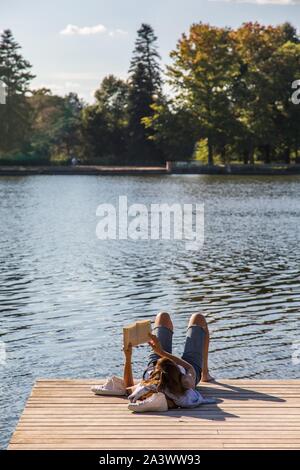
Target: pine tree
(15, 114)
(14, 69)
(145, 88)
(290, 33)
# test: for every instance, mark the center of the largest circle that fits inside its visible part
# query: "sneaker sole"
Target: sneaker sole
(109, 392)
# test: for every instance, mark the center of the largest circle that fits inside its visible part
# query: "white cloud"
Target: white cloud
(70, 76)
(58, 88)
(117, 32)
(72, 30)
(63, 88)
(72, 85)
(264, 2)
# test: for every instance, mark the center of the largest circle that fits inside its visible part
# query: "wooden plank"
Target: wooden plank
(57, 391)
(250, 414)
(148, 440)
(204, 411)
(178, 427)
(160, 433)
(114, 433)
(236, 383)
(119, 446)
(262, 446)
(20, 436)
(222, 404)
(167, 420)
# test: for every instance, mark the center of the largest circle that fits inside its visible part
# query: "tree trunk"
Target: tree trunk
(267, 151)
(210, 154)
(246, 157)
(223, 156)
(251, 156)
(287, 155)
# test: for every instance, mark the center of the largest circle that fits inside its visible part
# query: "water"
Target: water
(64, 295)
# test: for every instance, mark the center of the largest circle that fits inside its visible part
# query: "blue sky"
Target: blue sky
(73, 44)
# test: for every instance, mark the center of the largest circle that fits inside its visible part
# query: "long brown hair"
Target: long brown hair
(166, 375)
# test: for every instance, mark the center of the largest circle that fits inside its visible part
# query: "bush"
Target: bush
(21, 159)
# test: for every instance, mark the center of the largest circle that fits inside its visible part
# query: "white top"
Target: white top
(189, 399)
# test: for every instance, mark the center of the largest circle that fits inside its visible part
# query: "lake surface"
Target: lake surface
(64, 294)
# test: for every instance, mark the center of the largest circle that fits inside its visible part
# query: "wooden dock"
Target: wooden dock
(250, 414)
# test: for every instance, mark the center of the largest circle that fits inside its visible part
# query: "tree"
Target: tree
(15, 114)
(145, 88)
(290, 33)
(56, 125)
(112, 96)
(261, 86)
(69, 125)
(105, 122)
(202, 75)
(286, 114)
(47, 111)
(237, 85)
(173, 129)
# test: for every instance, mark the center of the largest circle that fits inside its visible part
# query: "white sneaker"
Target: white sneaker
(113, 386)
(157, 402)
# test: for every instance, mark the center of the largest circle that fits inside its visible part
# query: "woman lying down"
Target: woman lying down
(168, 381)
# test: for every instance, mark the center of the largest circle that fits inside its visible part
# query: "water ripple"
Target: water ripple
(64, 295)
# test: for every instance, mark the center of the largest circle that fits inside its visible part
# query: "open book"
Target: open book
(137, 333)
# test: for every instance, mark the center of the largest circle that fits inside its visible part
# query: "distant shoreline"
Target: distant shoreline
(170, 169)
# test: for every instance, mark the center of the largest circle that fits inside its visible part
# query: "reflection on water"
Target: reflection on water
(64, 295)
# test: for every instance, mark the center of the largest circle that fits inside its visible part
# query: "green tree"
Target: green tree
(105, 122)
(56, 128)
(145, 88)
(47, 112)
(173, 129)
(202, 74)
(69, 127)
(286, 68)
(15, 72)
(257, 92)
(112, 97)
(290, 33)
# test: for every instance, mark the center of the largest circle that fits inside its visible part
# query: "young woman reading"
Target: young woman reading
(174, 377)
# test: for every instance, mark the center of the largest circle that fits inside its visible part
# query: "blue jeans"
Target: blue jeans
(193, 348)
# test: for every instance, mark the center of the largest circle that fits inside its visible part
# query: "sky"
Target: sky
(74, 44)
